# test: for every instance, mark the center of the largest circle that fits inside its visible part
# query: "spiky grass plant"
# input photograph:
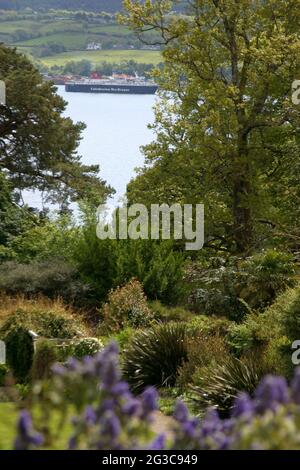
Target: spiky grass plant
(155, 355)
(220, 386)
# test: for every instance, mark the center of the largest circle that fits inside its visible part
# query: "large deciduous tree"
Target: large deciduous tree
(38, 145)
(227, 131)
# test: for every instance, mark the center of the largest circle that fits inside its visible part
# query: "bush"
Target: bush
(220, 385)
(45, 357)
(217, 292)
(237, 286)
(270, 333)
(287, 308)
(19, 351)
(97, 262)
(202, 351)
(266, 275)
(47, 319)
(282, 318)
(163, 271)
(165, 313)
(87, 347)
(253, 334)
(106, 264)
(3, 374)
(126, 306)
(154, 356)
(124, 337)
(205, 325)
(55, 278)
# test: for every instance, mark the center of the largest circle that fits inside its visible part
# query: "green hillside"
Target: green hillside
(87, 5)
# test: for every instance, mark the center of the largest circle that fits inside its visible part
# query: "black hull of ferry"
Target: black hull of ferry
(115, 89)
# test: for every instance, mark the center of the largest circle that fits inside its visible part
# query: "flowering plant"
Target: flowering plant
(109, 417)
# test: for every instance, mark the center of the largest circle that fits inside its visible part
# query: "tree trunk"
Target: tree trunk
(242, 212)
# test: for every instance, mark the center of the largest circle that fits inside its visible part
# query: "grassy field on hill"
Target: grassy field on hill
(56, 40)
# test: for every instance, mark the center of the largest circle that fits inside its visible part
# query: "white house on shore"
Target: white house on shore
(94, 46)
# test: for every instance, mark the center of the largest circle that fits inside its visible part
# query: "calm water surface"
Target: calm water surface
(116, 128)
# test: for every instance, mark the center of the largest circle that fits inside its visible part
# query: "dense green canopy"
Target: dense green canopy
(227, 130)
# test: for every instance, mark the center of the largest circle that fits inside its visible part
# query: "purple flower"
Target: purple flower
(149, 401)
(243, 406)
(90, 415)
(158, 443)
(73, 364)
(181, 413)
(27, 437)
(110, 373)
(132, 407)
(215, 433)
(58, 369)
(107, 405)
(211, 422)
(73, 443)
(121, 389)
(88, 364)
(224, 443)
(110, 425)
(190, 428)
(271, 392)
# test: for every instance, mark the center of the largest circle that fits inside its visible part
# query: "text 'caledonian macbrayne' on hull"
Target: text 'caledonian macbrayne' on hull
(133, 86)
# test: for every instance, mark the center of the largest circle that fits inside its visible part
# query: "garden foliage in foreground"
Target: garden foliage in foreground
(108, 416)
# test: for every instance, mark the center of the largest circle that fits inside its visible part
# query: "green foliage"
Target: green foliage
(241, 79)
(236, 286)
(203, 351)
(219, 385)
(287, 308)
(124, 337)
(53, 278)
(13, 220)
(254, 333)
(209, 325)
(97, 260)
(3, 374)
(23, 390)
(19, 352)
(162, 273)
(166, 314)
(46, 238)
(218, 289)
(107, 264)
(126, 306)
(266, 275)
(48, 323)
(43, 142)
(270, 333)
(46, 355)
(154, 356)
(271, 431)
(87, 347)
